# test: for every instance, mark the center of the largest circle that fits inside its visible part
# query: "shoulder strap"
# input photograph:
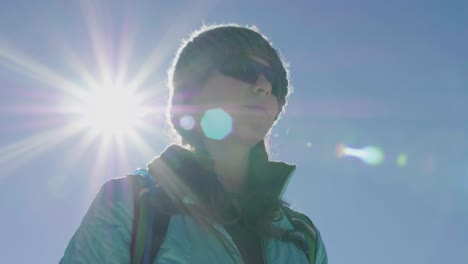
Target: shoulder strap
(149, 224)
(307, 235)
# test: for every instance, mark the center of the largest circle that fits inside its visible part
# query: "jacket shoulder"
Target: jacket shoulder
(105, 232)
(293, 215)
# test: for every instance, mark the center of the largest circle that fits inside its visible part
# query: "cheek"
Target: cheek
(220, 91)
(272, 107)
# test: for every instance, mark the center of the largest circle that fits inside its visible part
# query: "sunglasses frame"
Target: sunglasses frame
(249, 70)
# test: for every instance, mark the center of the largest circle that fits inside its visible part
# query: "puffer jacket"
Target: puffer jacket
(104, 235)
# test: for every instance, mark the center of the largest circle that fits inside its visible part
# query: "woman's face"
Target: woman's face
(249, 101)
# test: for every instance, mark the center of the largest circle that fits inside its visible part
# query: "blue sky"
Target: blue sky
(390, 74)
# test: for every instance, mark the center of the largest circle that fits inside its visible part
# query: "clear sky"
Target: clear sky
(387, 74)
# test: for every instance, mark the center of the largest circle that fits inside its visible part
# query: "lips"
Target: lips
(255, 107)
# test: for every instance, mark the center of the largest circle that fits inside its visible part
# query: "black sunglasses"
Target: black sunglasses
(248, 70)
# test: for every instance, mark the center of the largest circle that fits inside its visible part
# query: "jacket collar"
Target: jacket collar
(274, 175)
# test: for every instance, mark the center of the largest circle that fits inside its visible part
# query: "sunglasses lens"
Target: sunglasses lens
(248, 70)
(240, 69)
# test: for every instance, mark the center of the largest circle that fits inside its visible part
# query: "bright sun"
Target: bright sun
(111, 112)
(105, 106)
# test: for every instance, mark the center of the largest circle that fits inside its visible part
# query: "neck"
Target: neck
(230, 163)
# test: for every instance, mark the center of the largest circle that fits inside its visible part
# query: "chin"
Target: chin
(248, 136)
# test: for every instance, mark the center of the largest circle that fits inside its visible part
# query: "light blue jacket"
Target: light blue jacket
(104, 236)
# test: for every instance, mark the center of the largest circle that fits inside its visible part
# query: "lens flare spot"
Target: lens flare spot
(402, 160)
(373, 155)
(340, 149)
(370, 155)
(187, 122)
(216, 124)
(308, 144)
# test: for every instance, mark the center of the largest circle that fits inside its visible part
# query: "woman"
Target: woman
(220, 194)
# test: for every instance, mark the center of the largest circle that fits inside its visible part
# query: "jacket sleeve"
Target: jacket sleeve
(321, 255)
(104, 235)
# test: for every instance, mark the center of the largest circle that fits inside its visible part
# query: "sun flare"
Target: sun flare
(111, 111)
(112, 106)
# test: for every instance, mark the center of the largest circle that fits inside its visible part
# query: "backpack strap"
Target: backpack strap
(149, 224)
(304, 233)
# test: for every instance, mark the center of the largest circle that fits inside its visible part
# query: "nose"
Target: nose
(262, 86)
